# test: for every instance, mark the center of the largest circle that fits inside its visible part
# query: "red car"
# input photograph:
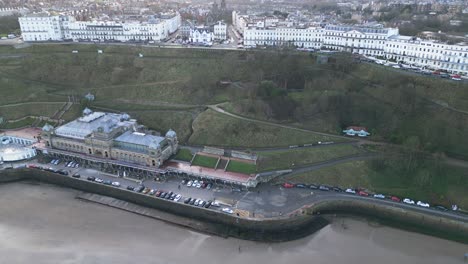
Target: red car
(363, 193)
(395, 199)
(288, 185)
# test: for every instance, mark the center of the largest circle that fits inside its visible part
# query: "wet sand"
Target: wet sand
(45, 224)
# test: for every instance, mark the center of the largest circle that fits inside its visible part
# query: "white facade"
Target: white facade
(41, 27)
(46, 27)
(201, 35)
(220, 31)
(310, 37)
(361, 40)
(430, 54)
(373, 40)
(115, 31)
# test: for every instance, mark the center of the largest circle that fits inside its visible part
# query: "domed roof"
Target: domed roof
(171, 134)
(47, 128)
(87, 111)
(125, 116)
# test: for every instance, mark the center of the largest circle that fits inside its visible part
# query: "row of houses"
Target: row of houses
(45, 26)
(367, 39)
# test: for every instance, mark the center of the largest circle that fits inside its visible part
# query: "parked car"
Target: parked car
(177, 198)
(107, 182)
(196, 202)
(76, 175)
(187, 200)
(189, 183)
(380, 196)
(173, 196)
(130, 188)
(236, 190)
(209, 186)
(62, 172)
(139, 188)
(208, 204)
(158, 193)
(408, 201)
(202, 204)
(440, 207)
(162, 195)
(146, 190)
(300, 185)
(215, 204)
(98, 180)
(337, 189)
(363, 193)
(423, 204)
(152, 192)
(288, 185)
(313, 186)
(324, 188)
(192, 202)
(395, 199)
(198, 185)
(116, 184)
(227, 210)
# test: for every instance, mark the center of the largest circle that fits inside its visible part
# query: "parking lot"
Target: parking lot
(266, 200)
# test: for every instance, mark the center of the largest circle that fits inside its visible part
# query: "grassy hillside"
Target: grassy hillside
(212, 128)
(279, 86)
(430, 181)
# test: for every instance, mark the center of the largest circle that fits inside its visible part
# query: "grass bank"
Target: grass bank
(204, 161)
(241, 167)
(284, 159)
(215, 129)
(428, 180)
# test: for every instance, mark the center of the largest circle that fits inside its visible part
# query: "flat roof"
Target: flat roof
(138, 138)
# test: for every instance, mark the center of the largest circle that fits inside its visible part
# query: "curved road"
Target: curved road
(264, 201)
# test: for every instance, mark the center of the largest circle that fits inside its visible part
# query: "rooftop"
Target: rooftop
(142, 139)
(94, 121)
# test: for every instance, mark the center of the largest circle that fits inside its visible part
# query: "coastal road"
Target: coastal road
(266, 200)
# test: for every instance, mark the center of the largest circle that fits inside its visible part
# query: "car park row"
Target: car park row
(363, 193)
(162, 194)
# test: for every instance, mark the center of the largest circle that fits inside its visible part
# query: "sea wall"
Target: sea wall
(271, 229)
(396, 217)
(300, 223)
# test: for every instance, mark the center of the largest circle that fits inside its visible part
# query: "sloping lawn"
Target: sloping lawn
(204, 161)
(241, 167)
(184, 154)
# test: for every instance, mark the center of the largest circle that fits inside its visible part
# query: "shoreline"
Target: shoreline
(295, 225)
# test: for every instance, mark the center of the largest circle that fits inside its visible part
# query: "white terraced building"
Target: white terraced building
(430, 54)
(357, 39)
(372, 40)
(305, 37)
(220, 31)
(46, 27)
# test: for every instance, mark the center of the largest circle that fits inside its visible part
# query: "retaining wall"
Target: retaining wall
(397, 217)
(301, 223)
(271, 229)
